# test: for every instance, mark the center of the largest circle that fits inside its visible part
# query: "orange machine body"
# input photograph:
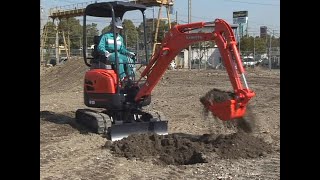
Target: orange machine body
(99, 86)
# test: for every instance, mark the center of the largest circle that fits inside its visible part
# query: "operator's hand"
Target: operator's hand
(107, 54)
(132, 53)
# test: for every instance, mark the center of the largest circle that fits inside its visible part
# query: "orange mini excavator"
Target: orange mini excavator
(123, 100)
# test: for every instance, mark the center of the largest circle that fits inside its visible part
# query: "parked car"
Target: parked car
(249, 61)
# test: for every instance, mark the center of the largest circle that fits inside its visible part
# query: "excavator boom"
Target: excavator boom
(178, 38)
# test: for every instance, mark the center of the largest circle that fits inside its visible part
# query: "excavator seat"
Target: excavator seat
(99, 61)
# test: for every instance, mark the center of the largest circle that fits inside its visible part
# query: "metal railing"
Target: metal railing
(59, 9)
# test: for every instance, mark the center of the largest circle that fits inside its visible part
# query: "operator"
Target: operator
(106, 47)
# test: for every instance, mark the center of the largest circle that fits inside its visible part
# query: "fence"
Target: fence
(211, 59)
(201, 57)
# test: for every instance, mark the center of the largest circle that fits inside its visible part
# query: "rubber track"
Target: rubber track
(97, 122)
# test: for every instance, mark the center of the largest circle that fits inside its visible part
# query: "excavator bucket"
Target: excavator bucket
(227, 110)
(120, 131)
(222, 104)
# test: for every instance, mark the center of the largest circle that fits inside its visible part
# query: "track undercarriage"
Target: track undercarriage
(119, 124)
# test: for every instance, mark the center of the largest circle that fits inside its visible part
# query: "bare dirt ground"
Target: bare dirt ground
(196, 147)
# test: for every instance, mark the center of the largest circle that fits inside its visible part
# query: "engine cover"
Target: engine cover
(100, 88)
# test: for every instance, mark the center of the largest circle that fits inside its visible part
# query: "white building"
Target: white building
(211, 56)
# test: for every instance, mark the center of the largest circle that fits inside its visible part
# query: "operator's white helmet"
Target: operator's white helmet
(118, 23)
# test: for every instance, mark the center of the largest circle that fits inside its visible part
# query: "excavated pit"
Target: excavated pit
(185, 149)
(245, 124)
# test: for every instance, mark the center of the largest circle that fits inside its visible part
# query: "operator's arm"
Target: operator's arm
(123, 49)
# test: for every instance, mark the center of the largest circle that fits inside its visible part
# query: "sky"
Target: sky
(260, 12)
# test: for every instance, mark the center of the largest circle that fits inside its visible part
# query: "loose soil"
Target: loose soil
(196, 147)
(183, 149)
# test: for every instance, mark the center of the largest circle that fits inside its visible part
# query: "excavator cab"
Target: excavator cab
(104, 88)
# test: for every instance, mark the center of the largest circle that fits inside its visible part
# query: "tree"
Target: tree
(149, 31)
(260, 44)
(130, 33)
(151, 25)
(92, 31)
(248, 44)
(72, 24)
(106, 29)
(75, 30)
(163, 29)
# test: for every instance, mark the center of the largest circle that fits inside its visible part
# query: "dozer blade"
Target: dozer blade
(120, 131)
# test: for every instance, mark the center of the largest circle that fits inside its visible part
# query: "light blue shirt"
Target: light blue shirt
(107, 44)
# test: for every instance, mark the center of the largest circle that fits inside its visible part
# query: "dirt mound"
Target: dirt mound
(184, 149)
(65, 77)
(237, 145)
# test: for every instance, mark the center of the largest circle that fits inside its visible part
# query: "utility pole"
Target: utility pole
(247, 35)
(177, 17)
(266, 41)
(240, 35)
(270, 50)
(189, 21)
(80, 46)
(153, 19)
(254, 47)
